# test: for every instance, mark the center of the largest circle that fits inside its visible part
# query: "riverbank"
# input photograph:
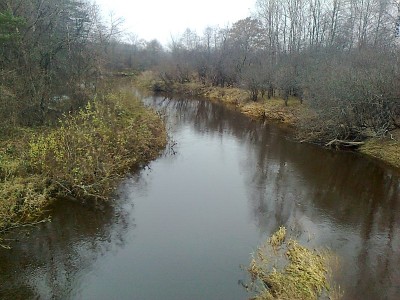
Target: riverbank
(81, 158)
(272, 109)
(385, 149)
(294, 114)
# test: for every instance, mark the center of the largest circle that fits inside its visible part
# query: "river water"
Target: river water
(184, 227)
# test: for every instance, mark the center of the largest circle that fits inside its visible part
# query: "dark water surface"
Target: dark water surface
(181, 228)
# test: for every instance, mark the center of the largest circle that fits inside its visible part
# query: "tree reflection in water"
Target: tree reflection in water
(49, 260)
(332, 199)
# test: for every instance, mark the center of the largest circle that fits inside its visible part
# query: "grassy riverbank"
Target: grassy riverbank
(294, 114)
(272, 109)
(80, 158)
(386, 149)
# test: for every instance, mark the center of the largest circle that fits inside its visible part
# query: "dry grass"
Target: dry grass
(81, 158)
(387, 149)
(272, 109)
(275, 109)
(278, 238)
(227, 95)
(283, 269)
(146, 80)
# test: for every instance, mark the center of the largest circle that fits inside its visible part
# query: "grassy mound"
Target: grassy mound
(283, 269)
(386, 149)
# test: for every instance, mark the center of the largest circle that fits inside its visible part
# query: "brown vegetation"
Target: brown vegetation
(283, 269)
(272, 109)
(386, 149)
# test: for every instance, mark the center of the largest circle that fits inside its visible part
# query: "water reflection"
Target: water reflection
(48, 261)
(201, 210)
(338, 200)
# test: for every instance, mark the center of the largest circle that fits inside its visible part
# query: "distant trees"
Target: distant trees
(340, 56)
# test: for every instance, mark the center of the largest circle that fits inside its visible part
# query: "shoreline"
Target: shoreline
(386, 150)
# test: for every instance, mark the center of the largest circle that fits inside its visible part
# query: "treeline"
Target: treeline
(54, 55)
(50, 52)
(340, 56)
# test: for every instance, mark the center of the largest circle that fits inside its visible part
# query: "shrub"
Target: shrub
(89, 150)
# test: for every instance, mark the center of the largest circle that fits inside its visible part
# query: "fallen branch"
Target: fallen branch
(4, 246)
(343, 143)
(15, 226)
(30, 224)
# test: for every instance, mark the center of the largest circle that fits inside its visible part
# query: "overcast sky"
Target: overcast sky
(159, 19)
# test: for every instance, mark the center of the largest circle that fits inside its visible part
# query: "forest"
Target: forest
(340, 57)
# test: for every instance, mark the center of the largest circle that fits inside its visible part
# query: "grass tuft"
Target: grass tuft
(277, 239)
(283, 269)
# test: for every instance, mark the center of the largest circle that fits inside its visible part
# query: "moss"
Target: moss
(283, 269)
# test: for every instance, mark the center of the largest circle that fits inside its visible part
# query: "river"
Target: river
(184, 227)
